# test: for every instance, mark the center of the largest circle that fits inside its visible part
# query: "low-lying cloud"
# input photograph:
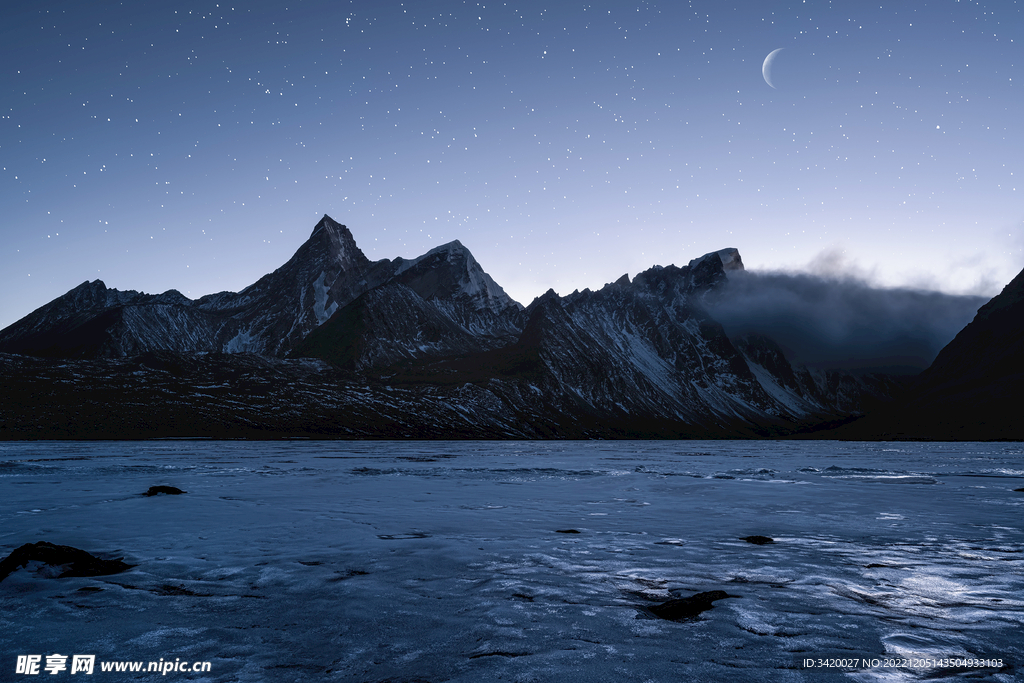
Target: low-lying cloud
(843, 322)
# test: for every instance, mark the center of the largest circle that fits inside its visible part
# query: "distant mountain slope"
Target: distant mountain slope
(974, 388)
(93, 321)
(989, 350)
(807, 391)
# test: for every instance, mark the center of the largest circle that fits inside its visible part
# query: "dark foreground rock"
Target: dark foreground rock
(682, 609)
(70, 561)
(164, 490)
(758, 540)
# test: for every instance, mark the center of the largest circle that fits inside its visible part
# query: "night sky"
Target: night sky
(195, 145)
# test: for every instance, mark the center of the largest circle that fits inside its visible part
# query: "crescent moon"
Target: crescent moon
(766, 68)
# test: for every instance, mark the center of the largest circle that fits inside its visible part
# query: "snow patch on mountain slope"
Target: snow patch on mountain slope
(479, 285)
(320, 308)
(243, 342)
(790, 401)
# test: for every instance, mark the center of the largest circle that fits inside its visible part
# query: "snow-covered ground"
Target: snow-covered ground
(443, 561)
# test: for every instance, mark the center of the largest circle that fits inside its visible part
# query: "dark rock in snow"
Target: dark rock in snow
(71, 561)
(758, 540)
(402, 537)
(682, 609)
(168, 490)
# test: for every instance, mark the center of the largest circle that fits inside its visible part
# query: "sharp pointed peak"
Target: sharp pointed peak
(330, 225)
(550, 295)
(333, 241)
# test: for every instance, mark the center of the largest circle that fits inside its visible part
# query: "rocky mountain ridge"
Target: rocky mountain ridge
(268, 317)
(640, 357)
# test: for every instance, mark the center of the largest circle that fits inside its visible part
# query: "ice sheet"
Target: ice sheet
(442, 561)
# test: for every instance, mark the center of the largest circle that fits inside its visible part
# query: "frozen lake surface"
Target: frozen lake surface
(444, 561)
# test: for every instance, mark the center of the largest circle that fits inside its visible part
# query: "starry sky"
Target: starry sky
(194, 145)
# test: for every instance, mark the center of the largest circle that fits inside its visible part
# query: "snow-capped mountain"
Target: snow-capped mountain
(640, 357)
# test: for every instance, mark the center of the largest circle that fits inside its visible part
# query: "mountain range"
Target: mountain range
(332, 344)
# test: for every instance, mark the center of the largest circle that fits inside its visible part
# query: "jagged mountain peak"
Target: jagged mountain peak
(463, 277)
(331, 226)
(550, 295)
(334, 241)
(331, 249)
(326, 273)
(730, 258)
(93, 285)
(92, 294)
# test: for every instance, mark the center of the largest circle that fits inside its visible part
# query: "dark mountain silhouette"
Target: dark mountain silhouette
(335, 345)
(972, 390)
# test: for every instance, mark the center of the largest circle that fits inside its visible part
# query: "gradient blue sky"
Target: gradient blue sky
(195, 145)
